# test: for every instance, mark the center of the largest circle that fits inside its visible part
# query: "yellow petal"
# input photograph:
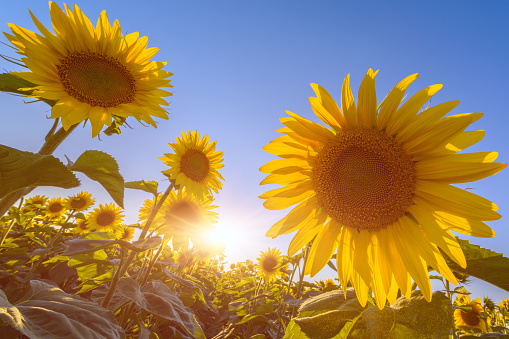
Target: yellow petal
(425, 120)
(391, 103)
(435, 233)
(441, 134)
(457, 201)
(406, 114)
(367, 106)
(348, 103)
(323, 247)
(327, 109)
(306, 234)
(473, 227)
(413, 261)
(456, 172)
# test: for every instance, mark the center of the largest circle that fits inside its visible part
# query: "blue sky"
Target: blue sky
(239, 65)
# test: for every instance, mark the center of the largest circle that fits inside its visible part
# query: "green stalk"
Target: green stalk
(301, 278)
(4, 236)
(123, 269)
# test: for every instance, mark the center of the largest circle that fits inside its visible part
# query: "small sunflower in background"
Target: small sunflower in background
(503, 306)
(80, 202)
(472, 319)
(40, 200)
(194, 164)
(185, 217)
(375, 187)
(34, 203)
(82, 227)
(94, 74)
(146, 210)
(55, 207)
(462, 299)
(124, 232)
(106, 218)
(269, 265)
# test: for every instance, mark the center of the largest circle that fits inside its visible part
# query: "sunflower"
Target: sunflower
(194, 164)
(55, 207)
(105, 219)
(503, 306)
(462, 299)
(37, 200)
(375, 187)
(80, 202)
(82, 227)
(145, 211)
(124, 232)
(472, 319)
(269, 265)
(185, 217)
(92, 73)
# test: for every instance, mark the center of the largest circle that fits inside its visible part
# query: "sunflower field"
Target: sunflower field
(370, 191)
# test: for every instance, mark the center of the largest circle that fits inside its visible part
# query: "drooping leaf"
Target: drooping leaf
(93, 269)
(11, 83)
(147, 186)
(103, 168)
(20, 169)
(48, 312)
(483, 264)
(158, 299)
(293, 331)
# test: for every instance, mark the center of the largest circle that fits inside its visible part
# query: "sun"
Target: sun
(228, 233)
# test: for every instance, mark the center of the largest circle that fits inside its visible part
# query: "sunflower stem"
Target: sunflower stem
(282, 306)
(47, 148)
(151, 263)
(4, 236)
(123, 269)
(301, 278)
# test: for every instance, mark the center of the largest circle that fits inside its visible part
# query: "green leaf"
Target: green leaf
(20, 169)
(93, 269)
(324, 316)
(254, 318)
(158, 299)
(147, 186)
(48, 312)
(483, 264)
(293, 331)
(103, 168)
(9, 82)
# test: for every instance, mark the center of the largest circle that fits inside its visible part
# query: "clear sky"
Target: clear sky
(239, 65)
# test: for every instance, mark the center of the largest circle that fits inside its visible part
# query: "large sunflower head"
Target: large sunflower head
(375, 186)
(185, 217)
(146, 210)
(55, 207)
(269, 265)
(194, 164)
(93, 73)
(80, 202)
(106, 218)
(472, 319)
